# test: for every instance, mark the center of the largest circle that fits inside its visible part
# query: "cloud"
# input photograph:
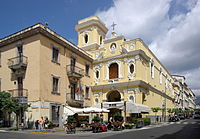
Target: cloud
(139, 18)
(170, 28)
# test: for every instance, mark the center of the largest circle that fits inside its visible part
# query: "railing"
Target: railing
(20, 94)
(75, 99)
(75, 71)
(17, 61)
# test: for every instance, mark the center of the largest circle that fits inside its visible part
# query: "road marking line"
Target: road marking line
(185, 123)
(3, 131)
(193, 123)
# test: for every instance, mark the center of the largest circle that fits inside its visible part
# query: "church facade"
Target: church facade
(124, 71)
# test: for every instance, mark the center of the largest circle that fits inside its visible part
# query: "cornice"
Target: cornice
(137, 52)
(114, 39)
(41, 29)
(89, 23)
(137, 83)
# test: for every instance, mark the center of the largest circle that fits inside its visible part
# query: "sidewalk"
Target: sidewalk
(79, 131)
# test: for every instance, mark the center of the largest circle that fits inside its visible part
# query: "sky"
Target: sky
(171, 28)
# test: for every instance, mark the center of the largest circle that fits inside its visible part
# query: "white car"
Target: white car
(196, 115)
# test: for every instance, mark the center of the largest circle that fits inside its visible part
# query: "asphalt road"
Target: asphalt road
(186, 129)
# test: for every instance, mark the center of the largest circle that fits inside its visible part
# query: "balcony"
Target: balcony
(76, 100)
(19, 62)
(74, 72)
(20, 94)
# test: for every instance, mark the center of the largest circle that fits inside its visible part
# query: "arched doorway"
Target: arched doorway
(113, 96)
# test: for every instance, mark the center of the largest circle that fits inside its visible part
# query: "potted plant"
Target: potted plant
(71, 125)
(129, 125)
(96, 125)
(118, 120)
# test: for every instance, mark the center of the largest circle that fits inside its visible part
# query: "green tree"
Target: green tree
(9, 105)
(170, 111)
(176, 110)
(155, 110)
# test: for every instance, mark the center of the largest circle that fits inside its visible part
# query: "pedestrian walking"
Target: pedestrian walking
(46, 122)
(41, 124)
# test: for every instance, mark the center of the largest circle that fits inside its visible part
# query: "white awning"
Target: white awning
(136, 108)
(130, 107)
(68, 111)
(94, 110)
(71, 110)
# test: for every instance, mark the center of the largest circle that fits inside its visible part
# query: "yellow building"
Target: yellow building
(43, 69)
(127, 75)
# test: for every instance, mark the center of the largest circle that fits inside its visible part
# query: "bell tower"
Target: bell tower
(91, 34)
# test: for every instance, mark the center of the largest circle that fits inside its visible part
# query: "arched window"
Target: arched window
(113, 47)
(97, 74)
(86, 38)
(113, 71)
(131, 68)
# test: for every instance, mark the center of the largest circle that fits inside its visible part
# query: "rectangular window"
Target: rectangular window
(166, 83)
(55, 54)
(73, 90)
(55, 88)
(87, 69)
(72, 64)
(20, 50)
(152, 70)
(87, 92)
(160, 77)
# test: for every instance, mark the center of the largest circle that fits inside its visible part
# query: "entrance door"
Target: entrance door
(20, 86)
(73, 90)
(112, 113)
(55, 113)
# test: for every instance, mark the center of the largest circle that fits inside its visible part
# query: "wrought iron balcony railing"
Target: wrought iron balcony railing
(75, 100)
(74, 71)
(20, 94)
(17, 62)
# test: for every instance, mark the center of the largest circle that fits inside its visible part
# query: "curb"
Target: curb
(47, 131)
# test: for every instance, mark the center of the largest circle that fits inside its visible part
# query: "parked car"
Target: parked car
(174, 118)
(181, 116)
(196, 115)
